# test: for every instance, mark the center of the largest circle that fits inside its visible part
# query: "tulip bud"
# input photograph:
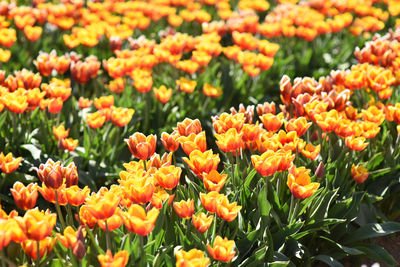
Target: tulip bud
(79, 234)
(79, 249)
(320, 171)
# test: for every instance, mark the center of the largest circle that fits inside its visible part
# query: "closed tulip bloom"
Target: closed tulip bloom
(51, 174)
(184, 209)
(230, 141)
(37, 225)
(45, 246)
(193, 257)
(272, 122)
(251, 132)
(188, 126)
(60, 132)
(69, 144)
(95, 120)
(9, 164)
(299, 125)
(103, 206)
(359, 173)
(156, 162)
(225, 210)
(214, 181)
(193, 142)
(202, 222)
(200, 162)
(266, 164)
(170, 141)
(70, 174)
(142, 147)
(168, 177)
(104, 102)
(212, 91)
(209, 201)
(223, 249)
(24, 197)
(299, 183)
(77, 196)
(186, 85)
(137, 221)
(356, 143)
(120, 259)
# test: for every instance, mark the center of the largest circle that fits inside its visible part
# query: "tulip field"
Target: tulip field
(197, 133)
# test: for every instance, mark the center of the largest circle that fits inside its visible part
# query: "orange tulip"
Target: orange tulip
(168, 177)
(266, 108)
(121, 116)
(69, 144)
(69, 239)
(8, 164)
(299, 183)
(214, 181)
(226, 121)
(299, 125)
(223, 249)
(209, 201)
(193, 142)
(186, 85)
(77, 196)
(24, 197)
(230, 141)
(225, 210)
(55, 105)
(37, 225)
(137, 221)
(5, 234)
(114, 222)
(120, 259)
(311, 151)
(86, 218)
(359, 173)
(193, 257)
(85, 102)
(266, 164)
(212, 91)
(170, 141)
(163, 94)
(188, 127)
(103, 206)
(272, 122)
(285, 159)
(202, 222)
(142, 147)
(45, 246)
(70, 174)
(138, 189)
(95, 120)
(356, 143)
(60, 132)
(159, 197)
(251, 132)
(200, 162)
(156, 162)
(184, 209)
(49, 194)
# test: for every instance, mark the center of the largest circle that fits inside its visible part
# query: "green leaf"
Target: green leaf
(263, 204)
(3, 119)
(375, 161)
(373, 230)
(377, 253)
(347, 250)
(328, 260)
(86, 141)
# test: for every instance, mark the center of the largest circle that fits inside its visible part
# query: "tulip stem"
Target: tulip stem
(294, 213)
(291, 209)
(107, 236)
(3, 264)
(59, 212)
(70, 216)
(93, 239)
(146, 111)
(37, 254)
(145, 165)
